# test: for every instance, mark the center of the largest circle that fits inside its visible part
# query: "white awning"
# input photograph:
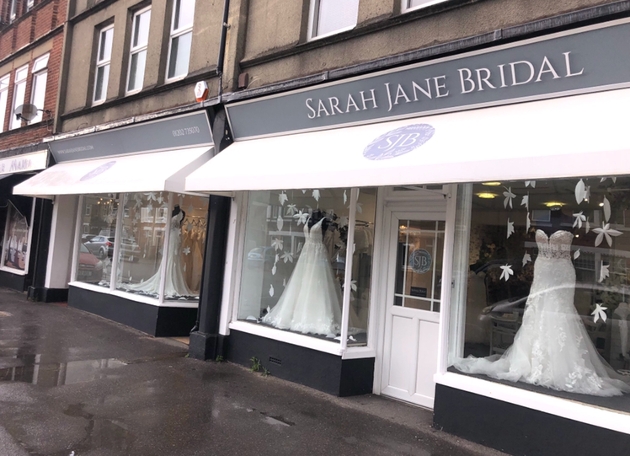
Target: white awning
(159, 171)
(571, 136)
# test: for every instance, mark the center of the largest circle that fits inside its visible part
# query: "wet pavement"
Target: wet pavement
(72, 383)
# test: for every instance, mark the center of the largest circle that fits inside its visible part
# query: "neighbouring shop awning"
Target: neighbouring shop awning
(159, 171)
(570, 136)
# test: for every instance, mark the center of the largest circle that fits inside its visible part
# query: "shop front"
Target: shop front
(20, 218)
(127, 240)
(385, 228)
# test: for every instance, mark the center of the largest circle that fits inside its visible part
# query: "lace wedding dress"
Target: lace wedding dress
(175, 285)
(552, 347)
(311, 301)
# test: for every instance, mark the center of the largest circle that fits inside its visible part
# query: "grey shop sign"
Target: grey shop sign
(190, 130)
(580, 61)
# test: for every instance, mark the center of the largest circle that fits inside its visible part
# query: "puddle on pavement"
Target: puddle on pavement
(276, 420)
(60, 373)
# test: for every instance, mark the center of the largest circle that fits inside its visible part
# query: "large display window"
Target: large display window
(542, 286)
(15, 239)
(149, 244)
(296, 261)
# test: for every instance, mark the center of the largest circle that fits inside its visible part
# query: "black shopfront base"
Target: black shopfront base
(321, 371)
(519, 430)
(157, 321)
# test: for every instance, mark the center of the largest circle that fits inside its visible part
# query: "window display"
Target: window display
(145, 228)
(545, 299)
(15, 245)
(294, 265)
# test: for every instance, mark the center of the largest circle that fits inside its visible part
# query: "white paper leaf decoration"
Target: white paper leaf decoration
(284, 282)
(316, 195)
(506, 272)
(184, 267)
(528, 223)
(587, 226)
(345, 197)
(606, 209)
(599, 312)
(525, 201)
(273, 270)
(301, 217)
(526, 258)
(291, 209)
(530, 183)
(303, 192)
(279, 222)
(510, 228)
(283, 198)
(579, 218)
(509, 196)
(277, 243)
(605, 232)
(359, 208)
(271, 291)
(287, 256)
(576, 254)
(186, 250)
(603, 272)
(580, 191)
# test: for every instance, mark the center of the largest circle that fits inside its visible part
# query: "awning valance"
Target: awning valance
(159, 171)
(570, 136)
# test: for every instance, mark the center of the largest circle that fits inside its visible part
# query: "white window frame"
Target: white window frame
(133, 50)
(102, 63)
(13, 11)
(30, 4)
(313, 23)
(407, 8)
(22, 74)
(4, 96)
(40, 76)
(176, 33)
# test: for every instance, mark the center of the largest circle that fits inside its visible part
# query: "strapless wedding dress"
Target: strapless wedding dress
(311, 301)
(552, 347)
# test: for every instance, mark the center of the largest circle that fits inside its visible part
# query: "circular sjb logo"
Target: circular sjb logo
(420, 261)
(398, 142)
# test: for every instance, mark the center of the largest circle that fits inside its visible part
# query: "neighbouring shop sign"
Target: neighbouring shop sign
(23, 163)
(584, 60)
(189, 130)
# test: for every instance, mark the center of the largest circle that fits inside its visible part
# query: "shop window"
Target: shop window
(295, 261)
(180, 39)
(151, 246)
(138, 50)
(38, 93)
(15, 251)
(4, 95)
(542, 287)
(328, 17)
(103, 59)
(19, 92)
(411, 5)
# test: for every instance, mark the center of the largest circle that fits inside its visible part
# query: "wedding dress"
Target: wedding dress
(175, 285)
(311, 301)
(552, 347)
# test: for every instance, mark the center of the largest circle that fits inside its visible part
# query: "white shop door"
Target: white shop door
(415, 257)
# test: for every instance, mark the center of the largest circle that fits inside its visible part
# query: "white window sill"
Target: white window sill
(577, 411)
(135, 297)
(425, 5)
(13, 271)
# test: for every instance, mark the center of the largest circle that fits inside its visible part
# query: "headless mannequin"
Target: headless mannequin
(177, 210)
(316, 216)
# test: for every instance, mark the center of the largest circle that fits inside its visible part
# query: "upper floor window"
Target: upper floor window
(103, 59)
(13, 10)
(38, 94)
(332, 16)
(4, 94)
(19, 92)
(181, 38)
(138, 50)
(410, 5)
(30, 4)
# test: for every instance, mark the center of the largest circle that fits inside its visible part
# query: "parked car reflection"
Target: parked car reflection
(90, 268)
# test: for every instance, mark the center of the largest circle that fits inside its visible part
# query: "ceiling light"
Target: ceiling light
(487, 195)
(554, 204)
(491, 184)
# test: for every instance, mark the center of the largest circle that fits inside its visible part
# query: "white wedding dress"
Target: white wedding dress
(552, 347)
(311, 301)
(175, 285)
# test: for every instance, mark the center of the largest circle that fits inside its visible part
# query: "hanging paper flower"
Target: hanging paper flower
(151, 196)
(301, 217)
(530, 183)
(506, 272)
(279, 222)
(580, 191)
(525, 201)
(291, 209)
(599, 312)
(579, 218)
(603, 272)
(576, 254)
(271, 291)
(526, 259)
(316, 195)
(509, 196)
(353, 285)
(287, 256)
(605, 231)
(510, 228)
(283, 198)
(186, 250)
(606, 207)
(277, 243)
